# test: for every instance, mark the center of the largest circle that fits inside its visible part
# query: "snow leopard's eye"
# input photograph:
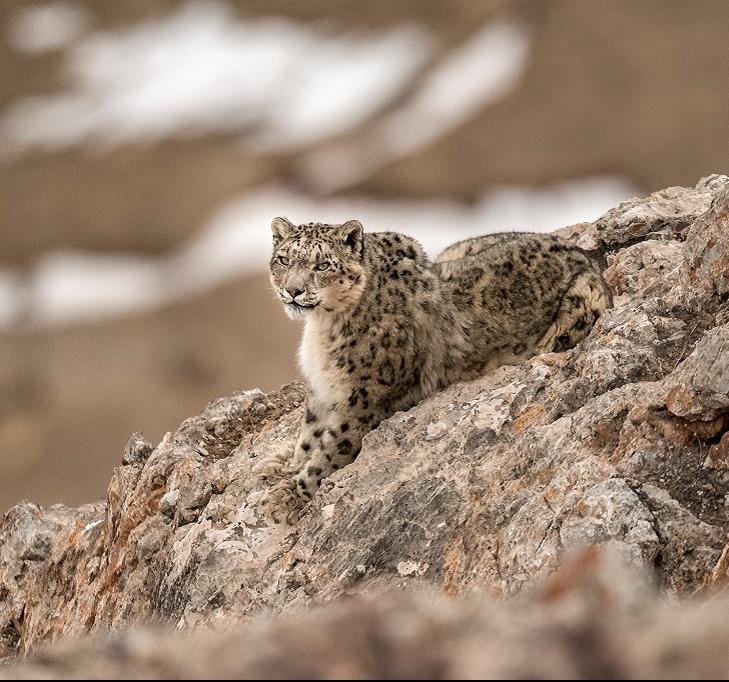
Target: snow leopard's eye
(282, 260)
(321, 267)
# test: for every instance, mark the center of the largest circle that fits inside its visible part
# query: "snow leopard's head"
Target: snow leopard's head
(317, 267)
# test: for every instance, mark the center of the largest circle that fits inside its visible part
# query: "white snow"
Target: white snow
(338, 85)
(474, 76)
(46, 26)
(201, 69)
(70, 286)
(477, 74)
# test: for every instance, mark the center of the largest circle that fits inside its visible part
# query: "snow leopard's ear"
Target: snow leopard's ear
(281, 229)
(352, 235)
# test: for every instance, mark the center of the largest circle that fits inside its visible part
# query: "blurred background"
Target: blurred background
(145, 146)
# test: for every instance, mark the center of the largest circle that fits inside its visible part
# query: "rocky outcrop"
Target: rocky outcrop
(621, 442)
(592, 620)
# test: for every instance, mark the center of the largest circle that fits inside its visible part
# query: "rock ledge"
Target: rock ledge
(622, 442)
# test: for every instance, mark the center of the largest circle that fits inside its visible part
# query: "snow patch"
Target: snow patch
(44, 27)
(201, 69)
(69, 285)
(471, 78)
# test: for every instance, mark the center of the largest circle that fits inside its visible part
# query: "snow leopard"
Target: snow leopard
(386, 327)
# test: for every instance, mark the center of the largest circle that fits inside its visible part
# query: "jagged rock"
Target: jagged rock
(592, 620)
(483, 487)
(137, 450)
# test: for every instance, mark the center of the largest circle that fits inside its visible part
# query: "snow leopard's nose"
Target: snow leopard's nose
(294, 292)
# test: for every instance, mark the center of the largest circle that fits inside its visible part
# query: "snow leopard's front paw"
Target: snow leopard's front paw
(272, 469)
(306, 484)
(281, 503)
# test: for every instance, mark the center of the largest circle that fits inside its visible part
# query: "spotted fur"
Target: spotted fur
(385, 327)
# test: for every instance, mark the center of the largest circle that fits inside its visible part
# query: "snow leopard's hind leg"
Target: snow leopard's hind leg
(585, 300)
